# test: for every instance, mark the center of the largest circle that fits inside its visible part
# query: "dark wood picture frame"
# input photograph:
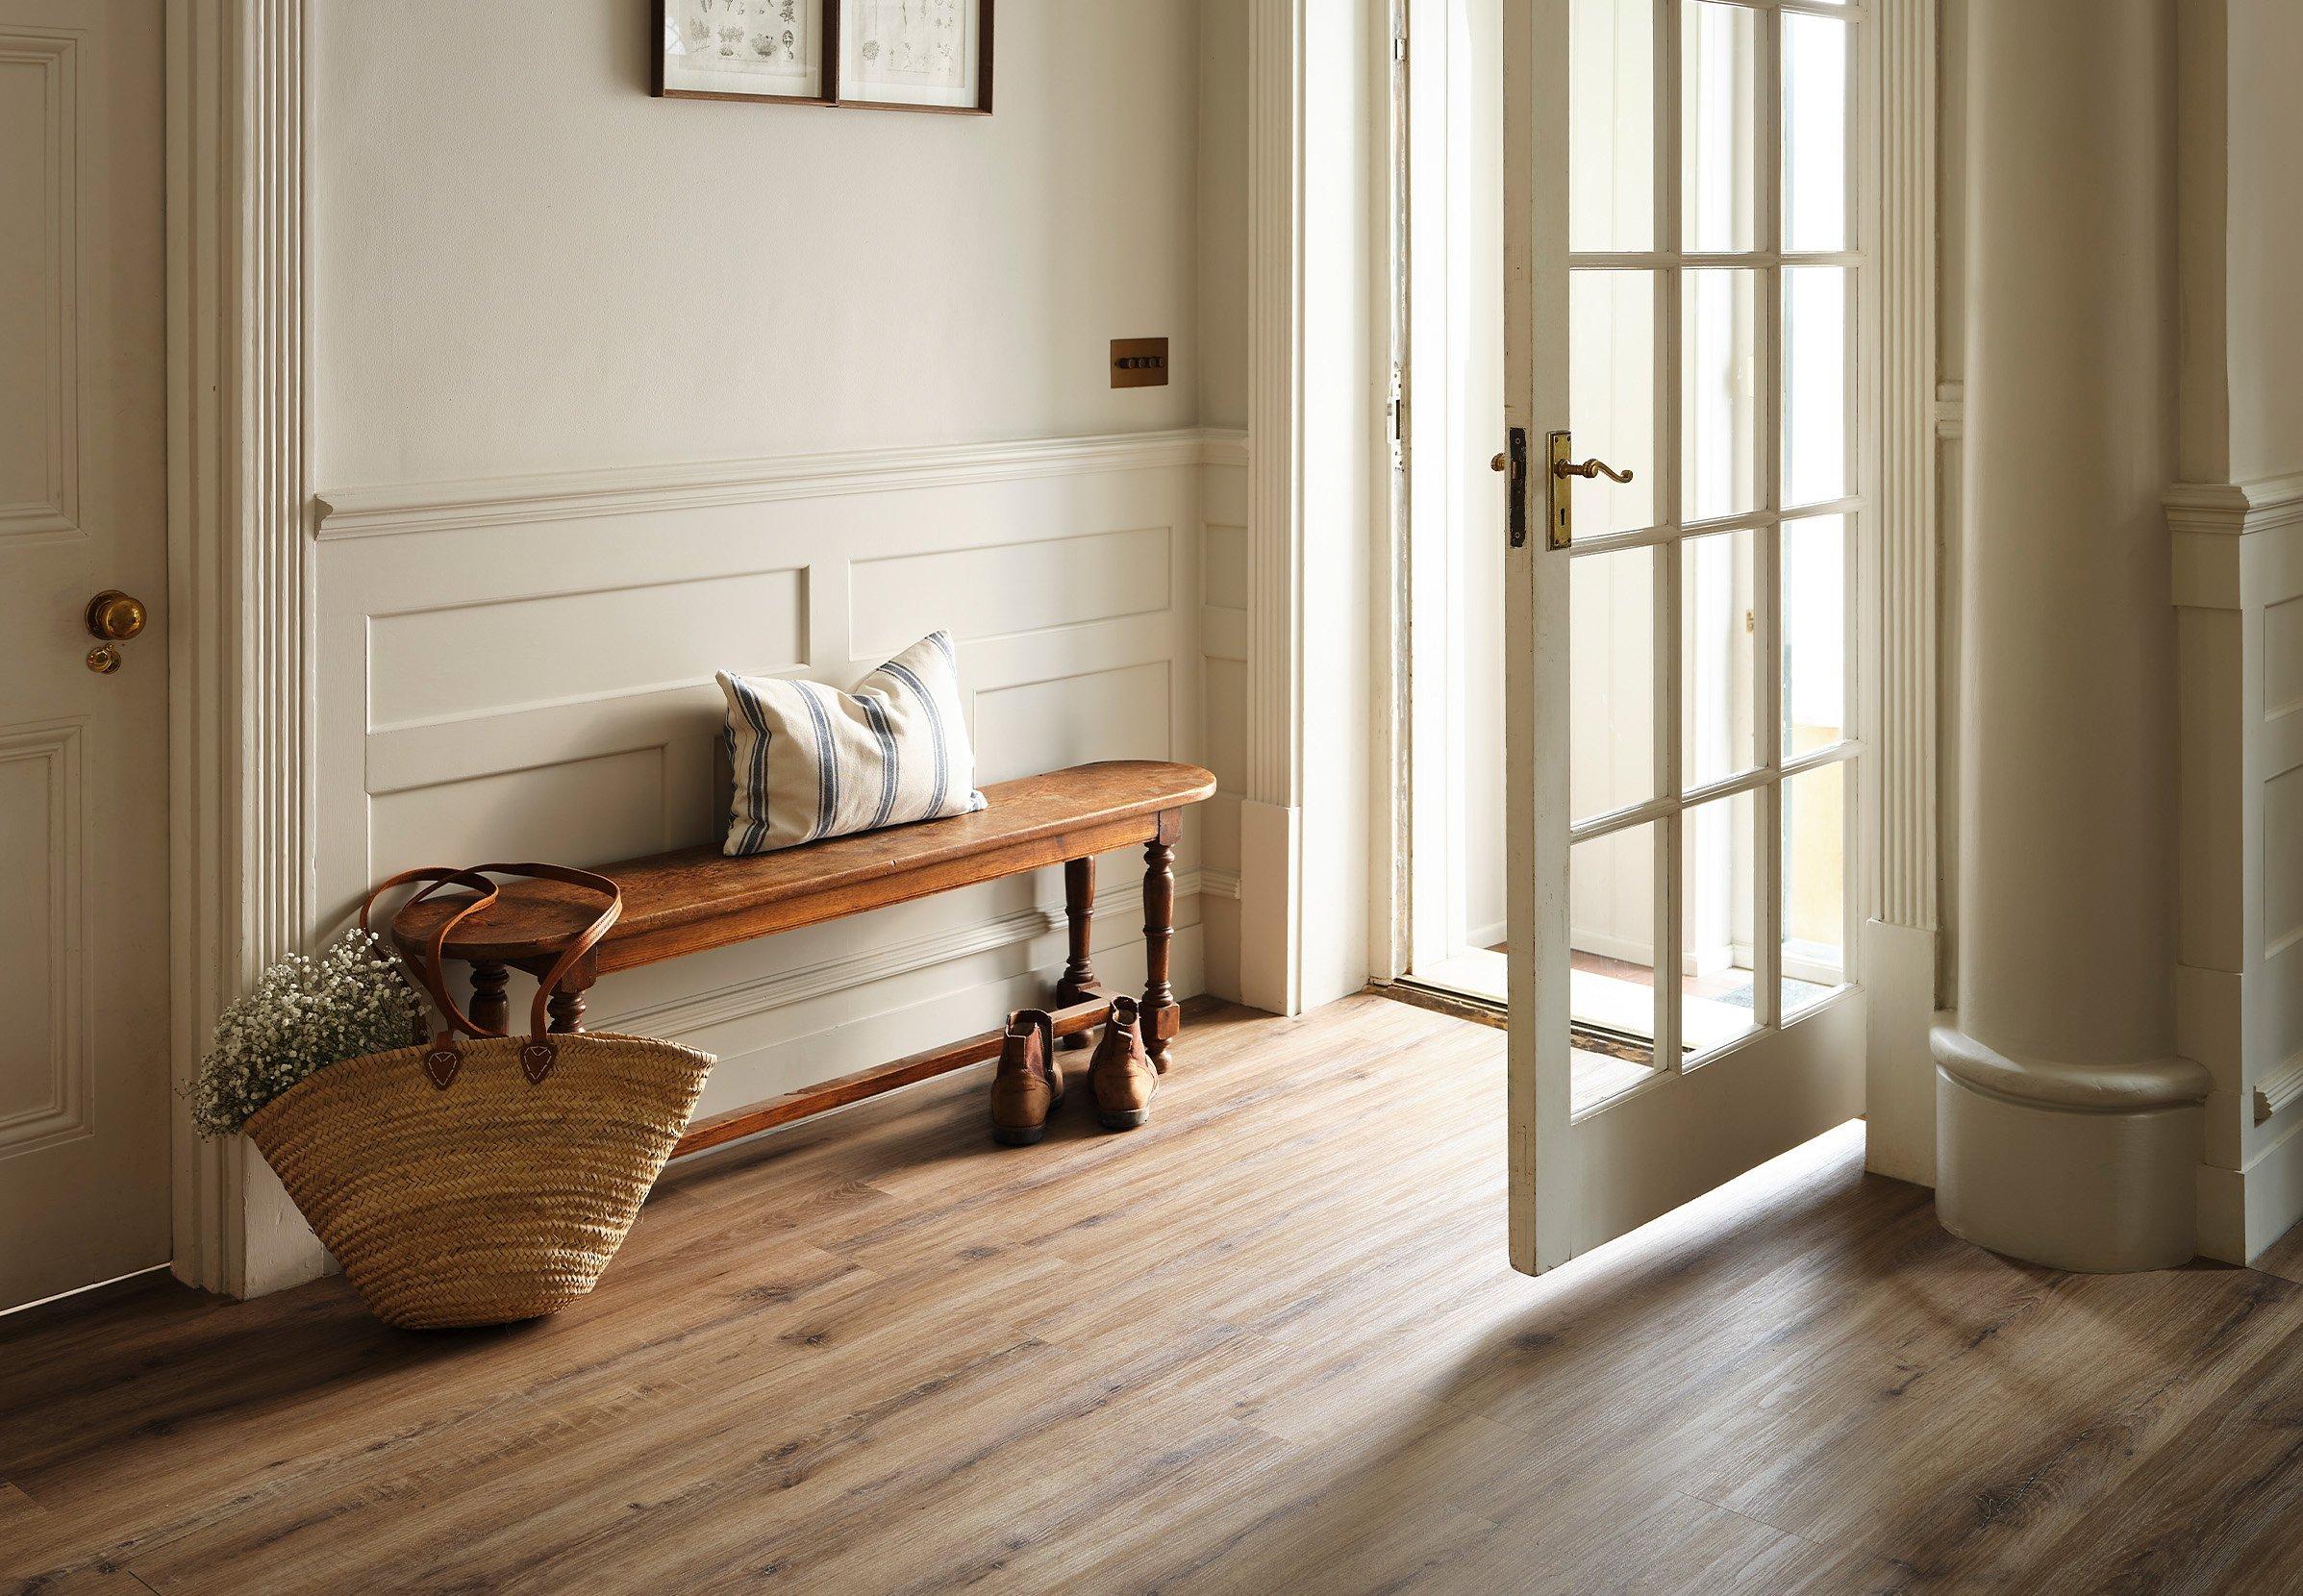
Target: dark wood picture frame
(983, 102)
(828, 39)
(827, 65)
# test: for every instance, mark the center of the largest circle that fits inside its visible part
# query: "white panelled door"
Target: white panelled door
(1685, 280)
(83, 756)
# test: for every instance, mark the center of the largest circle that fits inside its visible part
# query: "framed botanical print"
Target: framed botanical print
(894, 55)
(784, 50)
(914, 55)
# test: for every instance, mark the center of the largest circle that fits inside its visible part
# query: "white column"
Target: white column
(2069, 1129)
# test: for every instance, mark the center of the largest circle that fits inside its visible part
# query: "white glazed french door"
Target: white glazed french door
(1686, 290)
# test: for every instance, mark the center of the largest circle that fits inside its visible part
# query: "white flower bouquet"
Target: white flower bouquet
(303, 1014)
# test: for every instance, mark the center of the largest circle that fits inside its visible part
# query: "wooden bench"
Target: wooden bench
(699, 898)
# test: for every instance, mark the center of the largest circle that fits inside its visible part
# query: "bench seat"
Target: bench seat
(696, 898)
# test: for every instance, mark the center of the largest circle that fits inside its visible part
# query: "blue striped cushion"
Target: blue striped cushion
(813, 761)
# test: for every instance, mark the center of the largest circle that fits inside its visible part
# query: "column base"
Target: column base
(2067, 1166)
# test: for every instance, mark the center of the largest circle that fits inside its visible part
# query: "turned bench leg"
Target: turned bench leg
(1078, 983)
(564, 1009)
(491, 1007)
(1159, 1018)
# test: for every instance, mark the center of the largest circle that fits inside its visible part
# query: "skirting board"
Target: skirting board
(2242, 1211)
(1270, 891)
(1899, 1092)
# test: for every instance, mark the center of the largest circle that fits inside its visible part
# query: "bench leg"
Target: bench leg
(1078, 982)
(490, 1008)
(1159, 1018)
(566, 1007)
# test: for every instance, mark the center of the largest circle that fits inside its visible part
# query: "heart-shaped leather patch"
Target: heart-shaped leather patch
(441, 1064)
(536, 1059)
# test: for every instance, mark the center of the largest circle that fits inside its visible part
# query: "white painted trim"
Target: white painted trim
(1270, 919)
(1898, 925)
(1904, 624)
(1275, 466)
(652, 489)
(748, 999)
(2244, 1210)
(1224, 446)
(1950, 410)
(2279, 1088)
(238, 578)
(2234, 509)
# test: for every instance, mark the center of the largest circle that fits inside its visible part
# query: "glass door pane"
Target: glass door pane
(1718, 127)
(1611, 184)
(1815, 885)
(1718, 631)
(1611, 689)
(1814, 633)
(1817, 327)
(1611, 943)
(1718, 407)
(1816, 50)
(1719, 865)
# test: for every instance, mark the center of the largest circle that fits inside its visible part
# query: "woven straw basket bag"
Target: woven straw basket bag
(489, 1180)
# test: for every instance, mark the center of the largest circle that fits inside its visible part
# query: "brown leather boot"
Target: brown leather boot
(1028, 1082)
(1121, 1074)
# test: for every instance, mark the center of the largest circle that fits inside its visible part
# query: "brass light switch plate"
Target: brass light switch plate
(1139, 363)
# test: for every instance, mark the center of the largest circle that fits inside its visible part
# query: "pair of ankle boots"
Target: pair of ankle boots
(1030, 1083)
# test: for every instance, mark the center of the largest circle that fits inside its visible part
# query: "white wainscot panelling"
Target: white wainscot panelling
(2283, 657)
(1223, 565)
(44, 1067)
(1224, 722)
(522, 669)
(1006, 588)
(1224, 729)
(607, 807)
(2282, 860)
(1105, 714)
(455, 660)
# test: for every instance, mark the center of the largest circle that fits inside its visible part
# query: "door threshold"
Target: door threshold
(1475, 1007)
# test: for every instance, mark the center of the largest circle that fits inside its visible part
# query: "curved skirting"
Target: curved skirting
(2111, 1088)
(2067, 1166)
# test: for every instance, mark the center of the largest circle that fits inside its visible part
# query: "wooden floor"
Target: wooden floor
(1269, 1343)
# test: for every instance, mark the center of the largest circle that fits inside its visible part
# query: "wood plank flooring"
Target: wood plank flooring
(1269, 1343)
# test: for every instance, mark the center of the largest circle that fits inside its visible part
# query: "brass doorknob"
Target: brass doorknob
(113, 616)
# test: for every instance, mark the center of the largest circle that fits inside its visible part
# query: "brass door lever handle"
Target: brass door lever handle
(1589, 468)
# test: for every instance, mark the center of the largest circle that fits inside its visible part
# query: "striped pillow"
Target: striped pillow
(813, 761)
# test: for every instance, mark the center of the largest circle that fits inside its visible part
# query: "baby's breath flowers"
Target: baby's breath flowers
(303, 1014)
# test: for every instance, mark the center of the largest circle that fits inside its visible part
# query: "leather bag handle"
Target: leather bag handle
(584, 943)
(428, 969)
(442, 1060)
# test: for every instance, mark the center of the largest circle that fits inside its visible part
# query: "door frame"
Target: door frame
(1898, 896)
(239, 587)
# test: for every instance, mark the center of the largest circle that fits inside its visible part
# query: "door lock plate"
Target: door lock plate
(1560, 490)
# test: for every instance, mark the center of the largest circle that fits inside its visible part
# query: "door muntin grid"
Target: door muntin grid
(1715, 341)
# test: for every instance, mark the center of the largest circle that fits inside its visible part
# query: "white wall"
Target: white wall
(523, 263)
(543, 303)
